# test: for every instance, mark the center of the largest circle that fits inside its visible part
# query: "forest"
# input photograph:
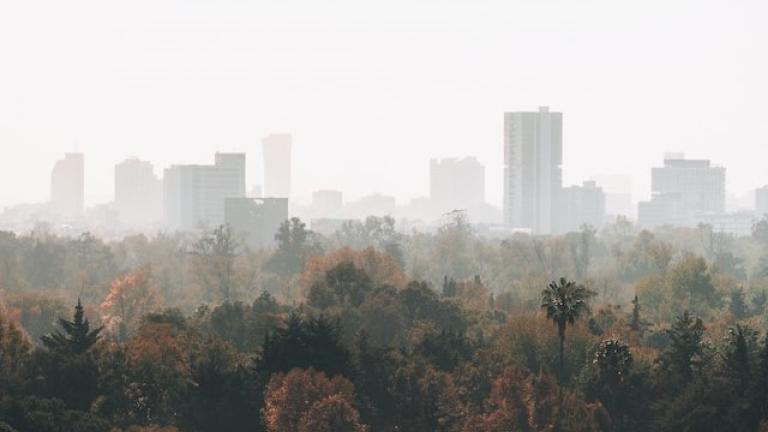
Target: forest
(372, 329)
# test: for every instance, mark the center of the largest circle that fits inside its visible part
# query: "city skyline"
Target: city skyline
(174, 83)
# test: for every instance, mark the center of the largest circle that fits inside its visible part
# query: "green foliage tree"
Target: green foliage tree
(77, 338)
(295, 245)
(216, 253)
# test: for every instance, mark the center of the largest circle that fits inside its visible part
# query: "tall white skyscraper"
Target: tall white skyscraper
(67, 186)
(456, 184)
(533, 154)
(276, 149)
(138, 192)
(194, 195)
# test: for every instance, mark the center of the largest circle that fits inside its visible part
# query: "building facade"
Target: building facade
(194, 195)
(276, 149)
(683, 192)
(138, 193)
(582, 205)
(256, 219)
(456, 184)
(533, 154)
(68, 186)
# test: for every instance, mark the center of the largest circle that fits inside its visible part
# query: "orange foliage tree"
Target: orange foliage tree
(130, 297)
(381, 268)
(306, 400)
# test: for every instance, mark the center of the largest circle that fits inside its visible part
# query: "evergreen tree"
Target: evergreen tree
(77, 338)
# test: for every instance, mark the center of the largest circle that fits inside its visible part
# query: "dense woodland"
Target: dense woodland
(371, 329)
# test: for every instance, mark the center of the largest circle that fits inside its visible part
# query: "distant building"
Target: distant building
(456, 184)
(256, 192)
(371, 205)
(761, 201)
(582, 205)
(276, 149)
(67, 186)
(683, 191)
(533, 148)
(194, 195)
(618, 194)
(257, 219)
(138, 193)
(327, 203)
(738, 224)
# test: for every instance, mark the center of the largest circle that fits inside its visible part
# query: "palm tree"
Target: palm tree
(565, 302)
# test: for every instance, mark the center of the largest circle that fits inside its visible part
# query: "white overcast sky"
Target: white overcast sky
(372, 90)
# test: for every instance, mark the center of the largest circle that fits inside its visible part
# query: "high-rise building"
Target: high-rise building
(456, 184)
(533, 154)
(682, 192)
(194, 195)
(256, 219)
(276, 149)
(582, 205)
(138, 193)
(67, 186)
(761, 201)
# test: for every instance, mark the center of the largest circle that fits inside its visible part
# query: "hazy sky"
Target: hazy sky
(372, 90)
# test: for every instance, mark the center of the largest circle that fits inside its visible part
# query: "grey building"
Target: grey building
(456, 184)
(761, 201)
(582, 205)
(68, 186)
(194, 195)
(276, 149)
(683, 191)
(138, 193)
(533, 155)
(256, 219)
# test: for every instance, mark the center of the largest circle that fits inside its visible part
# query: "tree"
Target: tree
(564, 302)
(738, 304)
(314, 343)
(306, 400)
(636, 321)
(684, 355)
(77, 337)
(130, 297)
(295, 245)
(216, 253)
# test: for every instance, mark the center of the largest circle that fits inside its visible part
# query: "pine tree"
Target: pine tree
(77, 338)
(636, 322)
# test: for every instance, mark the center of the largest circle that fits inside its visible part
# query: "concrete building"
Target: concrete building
(68, 186)
(533, 148)
(582, 205)
(256, 219)
(276, 149)
(138, 193)
(456, 184)
(683, 191)
(761, 201)
(194, 195)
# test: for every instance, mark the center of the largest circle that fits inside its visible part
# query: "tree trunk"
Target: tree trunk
(561, 334)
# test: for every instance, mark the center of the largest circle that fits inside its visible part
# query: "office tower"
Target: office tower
(582, 205)
(456, 184)
(67, 186)
(257, 220)
(327, 203)
(194, 195)
(761, 201)
(276, 149)
(682, 192)
(138, 193)
(533, 148)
